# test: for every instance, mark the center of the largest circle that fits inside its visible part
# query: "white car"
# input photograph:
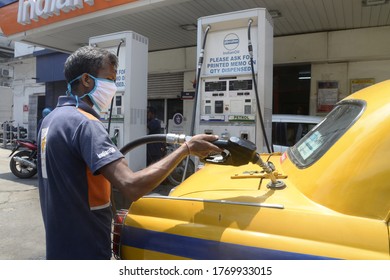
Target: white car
(288, 129)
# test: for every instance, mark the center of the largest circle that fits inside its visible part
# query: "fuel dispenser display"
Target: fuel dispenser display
(228, 102)
(234, 98)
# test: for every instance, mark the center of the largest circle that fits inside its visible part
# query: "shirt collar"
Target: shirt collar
(71, 101)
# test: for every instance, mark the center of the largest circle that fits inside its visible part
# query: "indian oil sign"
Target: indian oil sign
(227, 53)
(34, 9)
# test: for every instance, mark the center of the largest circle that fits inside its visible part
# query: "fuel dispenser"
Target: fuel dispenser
(234, 79)
(126, 119)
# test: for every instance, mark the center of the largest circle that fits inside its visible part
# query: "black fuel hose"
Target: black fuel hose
(147, 139)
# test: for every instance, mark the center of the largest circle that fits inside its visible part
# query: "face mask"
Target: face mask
(102, 93)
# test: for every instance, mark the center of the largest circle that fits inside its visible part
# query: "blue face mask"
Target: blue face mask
(101, 94)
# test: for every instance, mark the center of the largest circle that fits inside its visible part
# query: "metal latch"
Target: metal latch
(273, 176)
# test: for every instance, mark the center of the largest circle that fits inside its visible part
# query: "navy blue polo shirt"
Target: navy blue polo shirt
(72, 146)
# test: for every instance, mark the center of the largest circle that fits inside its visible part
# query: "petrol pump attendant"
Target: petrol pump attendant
(78, 162)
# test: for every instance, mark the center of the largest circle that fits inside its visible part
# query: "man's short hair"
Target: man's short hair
(87, 60)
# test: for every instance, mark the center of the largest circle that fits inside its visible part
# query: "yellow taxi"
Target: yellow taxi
(327, 197)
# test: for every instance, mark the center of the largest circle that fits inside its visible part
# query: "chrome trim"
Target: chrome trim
(265, 205)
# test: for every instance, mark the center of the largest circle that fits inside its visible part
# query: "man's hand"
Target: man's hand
(200, 145)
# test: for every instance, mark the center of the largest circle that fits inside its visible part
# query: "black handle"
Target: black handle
(241, 152)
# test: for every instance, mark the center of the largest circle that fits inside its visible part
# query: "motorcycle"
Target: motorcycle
(24, 163)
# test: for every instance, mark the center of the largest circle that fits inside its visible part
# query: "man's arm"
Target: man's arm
(134, 185)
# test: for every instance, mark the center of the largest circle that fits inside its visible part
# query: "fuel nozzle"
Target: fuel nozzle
(238, 151)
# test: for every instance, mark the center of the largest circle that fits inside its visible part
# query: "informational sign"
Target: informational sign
(229, 54)
(120, 78)
(327, 95)
(187, 95)
(310, 145)
(358, 84)
(176, 124)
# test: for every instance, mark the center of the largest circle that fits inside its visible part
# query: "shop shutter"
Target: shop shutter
(165, 85)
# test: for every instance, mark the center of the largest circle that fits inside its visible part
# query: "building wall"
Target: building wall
(23, 85)
(344, 72)
(336, 46)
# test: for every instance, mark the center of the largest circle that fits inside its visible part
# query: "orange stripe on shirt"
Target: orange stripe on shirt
(99, 188)
(88, 115)
(99, 191)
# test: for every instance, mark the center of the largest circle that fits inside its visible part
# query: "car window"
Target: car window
(318, 141)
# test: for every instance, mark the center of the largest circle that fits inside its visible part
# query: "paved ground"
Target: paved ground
(22, 234)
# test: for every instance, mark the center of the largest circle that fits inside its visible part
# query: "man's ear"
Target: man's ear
(87, 81)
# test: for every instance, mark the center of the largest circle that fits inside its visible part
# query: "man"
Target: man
(78, 162)
(45, 112)
(154, 151)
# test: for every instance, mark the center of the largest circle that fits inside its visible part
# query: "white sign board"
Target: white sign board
(229, 54)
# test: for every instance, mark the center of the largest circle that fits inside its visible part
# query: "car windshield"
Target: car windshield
(318, 141)
(288, 133)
